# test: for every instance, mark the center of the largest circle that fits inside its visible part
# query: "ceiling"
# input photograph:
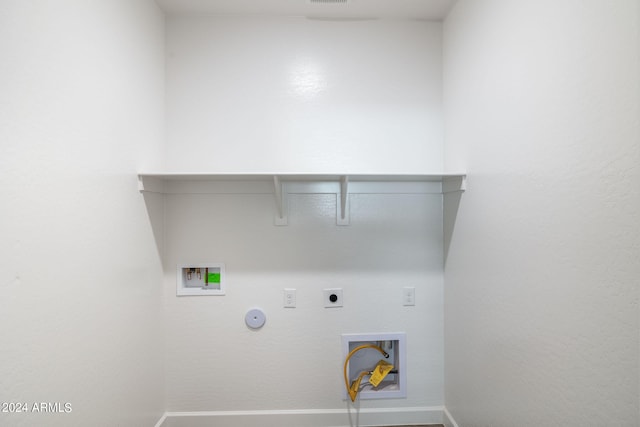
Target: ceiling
(332, 9)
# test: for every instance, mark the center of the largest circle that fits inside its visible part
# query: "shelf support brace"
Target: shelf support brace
(452, 184)
(342, 202)
(148, 184)
(281, 202)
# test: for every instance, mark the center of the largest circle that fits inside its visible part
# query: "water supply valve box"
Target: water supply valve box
(394, 383)
(200, 279)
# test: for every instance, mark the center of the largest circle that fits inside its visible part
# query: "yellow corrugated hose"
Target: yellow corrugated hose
(353, 390)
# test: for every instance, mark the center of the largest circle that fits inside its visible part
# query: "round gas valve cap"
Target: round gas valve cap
(255, 318)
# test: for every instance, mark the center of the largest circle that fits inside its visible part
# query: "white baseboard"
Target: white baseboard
(448, 420)
(307, 417)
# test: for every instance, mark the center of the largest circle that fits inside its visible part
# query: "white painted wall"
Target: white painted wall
(541, 295)
(215, 363)
(259, 94)
(541, 299)
(80, 307)
(263, 94)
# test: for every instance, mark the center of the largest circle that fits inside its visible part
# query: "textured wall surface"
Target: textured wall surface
(81, 111)
(215, 363)
(541, 298)
(251, 94)
(541, 295)
(256, 94)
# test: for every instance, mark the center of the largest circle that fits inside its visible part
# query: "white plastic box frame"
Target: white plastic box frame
(394, 385)
(210, 280)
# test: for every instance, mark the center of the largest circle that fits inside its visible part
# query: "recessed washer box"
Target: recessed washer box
(394, 385)
(200, 279)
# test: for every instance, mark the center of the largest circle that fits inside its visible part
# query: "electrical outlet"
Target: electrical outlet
(408, 296)
(290, 298)
(333, 297)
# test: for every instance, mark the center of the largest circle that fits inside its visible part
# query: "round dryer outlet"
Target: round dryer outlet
(332, 297)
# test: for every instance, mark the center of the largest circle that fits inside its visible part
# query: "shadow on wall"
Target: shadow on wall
(387, 232)
(155, 210)
(451, 204)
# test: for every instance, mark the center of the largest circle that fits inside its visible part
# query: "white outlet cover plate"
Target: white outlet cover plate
(327, 297)
(408, 296)
(289, 298)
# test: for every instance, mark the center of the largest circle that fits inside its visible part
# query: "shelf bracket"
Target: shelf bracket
(281, 202)
(147, 184)
(453, 184)
(342, 202)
